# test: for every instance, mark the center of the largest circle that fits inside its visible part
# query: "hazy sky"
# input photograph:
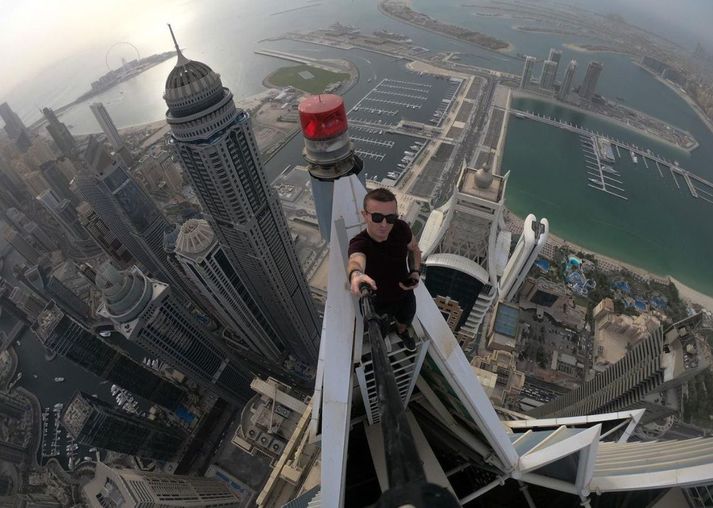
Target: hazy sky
(36, 35)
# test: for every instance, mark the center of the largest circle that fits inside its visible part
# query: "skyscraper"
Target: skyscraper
(205, 262)
(130, 488)
(111, 133)
(547, 78)
(665, 359)
(533, 238)
(58, 182)
(107, 125)
(21, 245)
(144, 310)
(462, 244)
(555, 56)
(62, 335)
(66, 216)
(567, 81)
(589, 85)
(216, 146)
(527, 71)
(65, 285)
(16, 130)
(93, 422)
(104, 236)
(60, 134)
(129, 213)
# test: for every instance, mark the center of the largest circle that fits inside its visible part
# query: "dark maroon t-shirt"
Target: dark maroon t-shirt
(385, 261)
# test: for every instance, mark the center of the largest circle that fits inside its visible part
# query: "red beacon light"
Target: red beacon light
(322, 117)
(328, 148)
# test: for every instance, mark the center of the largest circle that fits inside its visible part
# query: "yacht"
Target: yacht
(58, 379)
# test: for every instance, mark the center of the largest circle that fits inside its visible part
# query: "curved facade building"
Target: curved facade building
(215, 143)
(145, 311)
(465, 249)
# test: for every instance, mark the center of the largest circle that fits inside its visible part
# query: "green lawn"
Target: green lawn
(290, 76)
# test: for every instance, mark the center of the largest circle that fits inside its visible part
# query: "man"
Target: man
(377, 256)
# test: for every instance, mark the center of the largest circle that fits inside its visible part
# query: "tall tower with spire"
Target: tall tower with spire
(215, 142)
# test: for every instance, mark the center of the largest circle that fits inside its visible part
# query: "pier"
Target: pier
(698, 187)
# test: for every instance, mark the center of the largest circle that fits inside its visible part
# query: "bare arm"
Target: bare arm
(355, 272)
(414, 263)
(414, 255)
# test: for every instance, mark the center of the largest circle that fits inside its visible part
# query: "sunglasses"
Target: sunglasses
(379, 217)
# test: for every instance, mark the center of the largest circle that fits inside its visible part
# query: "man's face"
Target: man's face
(379, 231)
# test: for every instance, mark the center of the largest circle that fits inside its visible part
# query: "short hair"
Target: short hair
(380, 194)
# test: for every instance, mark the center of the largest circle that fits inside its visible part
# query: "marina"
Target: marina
(699, 187)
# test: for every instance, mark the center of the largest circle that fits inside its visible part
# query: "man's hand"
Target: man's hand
(358, 278)
(412, 277)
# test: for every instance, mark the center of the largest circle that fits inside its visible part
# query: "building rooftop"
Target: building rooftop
(481, 183)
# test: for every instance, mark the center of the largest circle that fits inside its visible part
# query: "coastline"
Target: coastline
(502, 51)
(692, 295)
(580, 49)
(686, 292)
(517, 92)
(695, 107)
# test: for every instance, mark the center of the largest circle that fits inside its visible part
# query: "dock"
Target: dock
(696, 184)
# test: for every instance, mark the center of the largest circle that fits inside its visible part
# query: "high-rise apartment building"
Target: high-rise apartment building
(665, 359)
(130, 488)
(104, 236)
(527, 70)
(111, 133)
(462, 243)
(107, 125)
(555, 56)
(589, 85)
(93, 422)
(15, 128)
(62, 335)
(549, 72)
(144, 310)
(21, 245)
(130, 214)
(66, 216)
(215, 143)
(60, 134)
(567, 81)
(204, 261)
(65, 285)
(58, 182)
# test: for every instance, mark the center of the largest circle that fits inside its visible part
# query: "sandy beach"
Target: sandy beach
(693, 296)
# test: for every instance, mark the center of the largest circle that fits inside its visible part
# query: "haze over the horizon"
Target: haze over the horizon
(43, 40)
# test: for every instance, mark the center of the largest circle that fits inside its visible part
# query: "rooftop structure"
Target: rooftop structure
(464, 248)
(508, 380)
(144, 310)
(460, 440)
(668, 357)
(130, 488)
(62, 335)
(93, 422)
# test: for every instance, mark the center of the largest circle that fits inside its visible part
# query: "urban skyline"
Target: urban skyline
(171, 311)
